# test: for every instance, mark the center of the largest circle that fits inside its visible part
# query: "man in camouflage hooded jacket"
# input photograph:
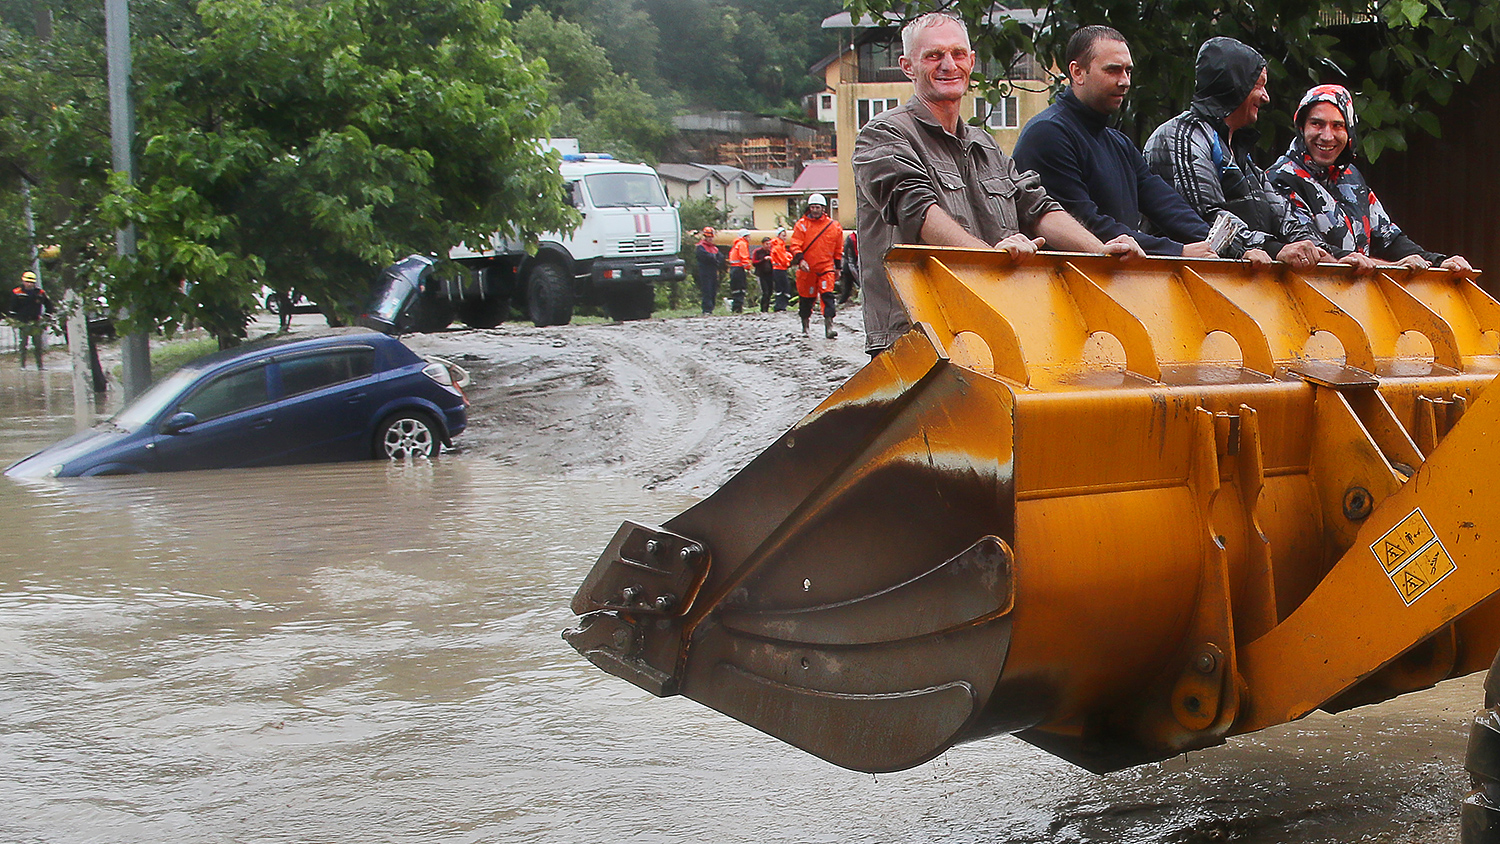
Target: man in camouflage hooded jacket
(1318, 177)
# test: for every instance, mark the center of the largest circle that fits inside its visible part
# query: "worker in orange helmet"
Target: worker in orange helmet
(817, 247)
(739, 270)
(706, 271)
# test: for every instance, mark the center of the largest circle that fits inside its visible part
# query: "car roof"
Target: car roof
(272, 346)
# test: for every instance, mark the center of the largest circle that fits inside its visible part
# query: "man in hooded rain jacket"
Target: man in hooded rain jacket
(1204, 153)
(706, 270)
(1318, 177)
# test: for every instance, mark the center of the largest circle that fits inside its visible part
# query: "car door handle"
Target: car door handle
(355, 398)
(261, 424)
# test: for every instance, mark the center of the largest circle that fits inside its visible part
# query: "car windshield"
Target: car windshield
(619, 190)
(146, 406)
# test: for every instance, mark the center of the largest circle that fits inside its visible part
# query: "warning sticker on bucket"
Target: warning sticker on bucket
(1412, 557)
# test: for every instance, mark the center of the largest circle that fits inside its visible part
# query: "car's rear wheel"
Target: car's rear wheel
(405, 435)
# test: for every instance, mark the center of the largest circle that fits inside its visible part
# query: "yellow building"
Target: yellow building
(777, 207)
(864, 78)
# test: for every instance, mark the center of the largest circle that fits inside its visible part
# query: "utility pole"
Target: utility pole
(78, 351)
(135, 349)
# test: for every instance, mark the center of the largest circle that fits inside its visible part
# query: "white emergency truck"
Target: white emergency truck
(628, 241)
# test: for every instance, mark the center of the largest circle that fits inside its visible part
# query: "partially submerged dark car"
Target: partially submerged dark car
(407, 297)
(347, 395)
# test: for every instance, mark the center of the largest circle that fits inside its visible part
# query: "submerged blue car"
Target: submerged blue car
(348, 395)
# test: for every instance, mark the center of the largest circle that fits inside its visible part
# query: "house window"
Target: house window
(827, 102)
(867, 108)
(880, 62)
(1005, 114)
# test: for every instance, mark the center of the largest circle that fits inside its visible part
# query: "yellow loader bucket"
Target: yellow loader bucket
(1120, 510)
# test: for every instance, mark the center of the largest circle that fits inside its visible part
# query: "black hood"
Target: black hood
(1226, 72)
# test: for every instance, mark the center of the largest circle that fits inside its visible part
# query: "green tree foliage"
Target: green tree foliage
(622, 28)
(53, 139)
(306, 145)
(749, 55)
(700, 212)
(1399, 57)
(605, 110)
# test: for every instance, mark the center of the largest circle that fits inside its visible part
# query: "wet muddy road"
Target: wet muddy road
(371, 652)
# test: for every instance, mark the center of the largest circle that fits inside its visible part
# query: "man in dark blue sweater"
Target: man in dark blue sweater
(1094, 170)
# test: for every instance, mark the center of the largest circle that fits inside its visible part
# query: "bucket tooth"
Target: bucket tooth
(613, 644)
(646, 578)
(645, 571)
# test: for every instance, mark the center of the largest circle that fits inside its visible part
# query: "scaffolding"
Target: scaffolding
(770, 153)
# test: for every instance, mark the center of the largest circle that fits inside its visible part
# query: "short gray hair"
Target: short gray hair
(910, 32)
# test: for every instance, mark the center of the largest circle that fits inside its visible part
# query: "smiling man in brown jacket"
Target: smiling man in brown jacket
(922, 175)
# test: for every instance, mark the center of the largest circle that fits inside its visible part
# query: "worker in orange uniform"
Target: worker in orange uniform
(818, 250)
(781, 261)
(739, 268)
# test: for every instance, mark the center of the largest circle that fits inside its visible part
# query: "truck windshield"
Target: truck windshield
(617, 190)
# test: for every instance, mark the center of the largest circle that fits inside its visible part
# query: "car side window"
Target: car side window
(311, 372)
(227, 394)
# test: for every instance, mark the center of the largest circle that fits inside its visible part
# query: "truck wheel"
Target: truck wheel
(433, 314)
(483, 313)
(549, 297)
(633, 302)
(1479, 813)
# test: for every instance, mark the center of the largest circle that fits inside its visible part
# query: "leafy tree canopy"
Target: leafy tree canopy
(1399, 57)
(748, 55)
(279, 142)
(306, 145)
(54, 138)
(605, 110)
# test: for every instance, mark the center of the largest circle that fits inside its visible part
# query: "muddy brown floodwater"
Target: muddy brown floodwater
(370, 652)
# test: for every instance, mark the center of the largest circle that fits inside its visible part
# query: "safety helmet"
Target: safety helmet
(817, 199)
(744, 232)
(708, 231)
(28, 276)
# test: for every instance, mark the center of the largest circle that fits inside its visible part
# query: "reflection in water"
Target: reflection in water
(371, 652)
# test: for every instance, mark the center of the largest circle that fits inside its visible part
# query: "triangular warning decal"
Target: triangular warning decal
(1411, 583)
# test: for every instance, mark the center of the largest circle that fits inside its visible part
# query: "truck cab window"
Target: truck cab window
(619, 190)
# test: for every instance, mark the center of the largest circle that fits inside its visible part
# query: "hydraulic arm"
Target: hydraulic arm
(1119, 510)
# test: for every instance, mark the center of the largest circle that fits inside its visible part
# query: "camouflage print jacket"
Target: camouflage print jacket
(1335, 200)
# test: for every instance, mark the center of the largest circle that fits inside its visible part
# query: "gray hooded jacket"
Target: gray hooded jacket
(1194, 153)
